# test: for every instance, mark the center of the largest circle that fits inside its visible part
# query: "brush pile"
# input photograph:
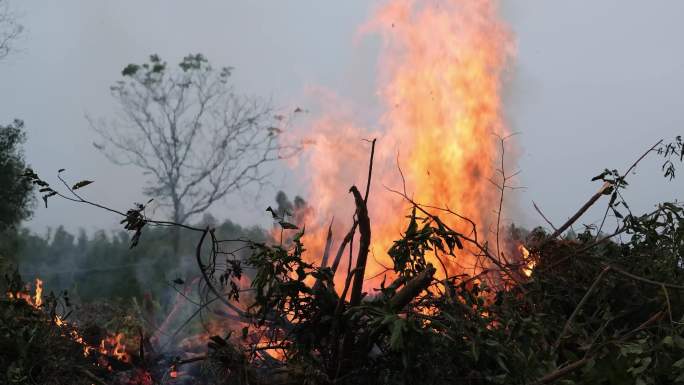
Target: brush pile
(589, 307)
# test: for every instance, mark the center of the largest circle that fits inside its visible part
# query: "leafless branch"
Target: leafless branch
(10, 29)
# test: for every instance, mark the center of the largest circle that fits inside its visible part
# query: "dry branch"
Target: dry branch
(413, 287)
(364, 246)
(582, 210)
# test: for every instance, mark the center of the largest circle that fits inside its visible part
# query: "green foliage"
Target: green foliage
(15, 195)
(15, 192)
(596, 309)
(611, 311)
(671, 152)
(408, 253)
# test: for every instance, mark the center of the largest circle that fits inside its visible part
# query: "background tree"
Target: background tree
(194, 137)
(10, 30)
(15, 193)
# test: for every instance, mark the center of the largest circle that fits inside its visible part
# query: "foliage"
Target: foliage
(15, 196)
(16, 191)
(597, 308)
(33, 350)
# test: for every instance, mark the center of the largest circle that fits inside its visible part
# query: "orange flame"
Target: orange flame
(530, 263)
(440, 79)
(36, 300)
(38, 297)
(111, 346)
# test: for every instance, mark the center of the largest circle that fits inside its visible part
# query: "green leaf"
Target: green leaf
(397, 336)
(501, 364)
(679, 364)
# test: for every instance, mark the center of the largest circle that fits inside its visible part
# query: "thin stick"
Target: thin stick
(92, 377)
(645, 280)
(543, 216)
(370, 171)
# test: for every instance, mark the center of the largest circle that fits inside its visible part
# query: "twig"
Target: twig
(504, 185)
(92, 377)
(326, 253)
(343, 245)
(466, 238)
(193, 359)
(79, 199)
(645, 280)
(562, 372)
(543, 216)
(584, 299)
(370, 171)
(328, 244)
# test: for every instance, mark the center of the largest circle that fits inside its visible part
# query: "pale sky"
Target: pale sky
(595, 83)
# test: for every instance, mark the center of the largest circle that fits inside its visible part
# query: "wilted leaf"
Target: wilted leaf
(80, 184)
(48, 195)
(287, 225)
(273, 213)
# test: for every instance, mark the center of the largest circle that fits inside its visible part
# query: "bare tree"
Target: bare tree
(10, 29)
(193, 136)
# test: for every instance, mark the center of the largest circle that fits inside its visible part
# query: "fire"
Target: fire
(441, 70)
(529, 262)
(36, 300)
(111, 346)
(38, 297)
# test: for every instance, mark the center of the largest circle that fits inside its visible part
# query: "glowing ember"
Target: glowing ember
(440, 74)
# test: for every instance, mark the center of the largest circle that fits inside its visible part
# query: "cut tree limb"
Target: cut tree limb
(413, 287)
(364, 246)
(582, 210)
